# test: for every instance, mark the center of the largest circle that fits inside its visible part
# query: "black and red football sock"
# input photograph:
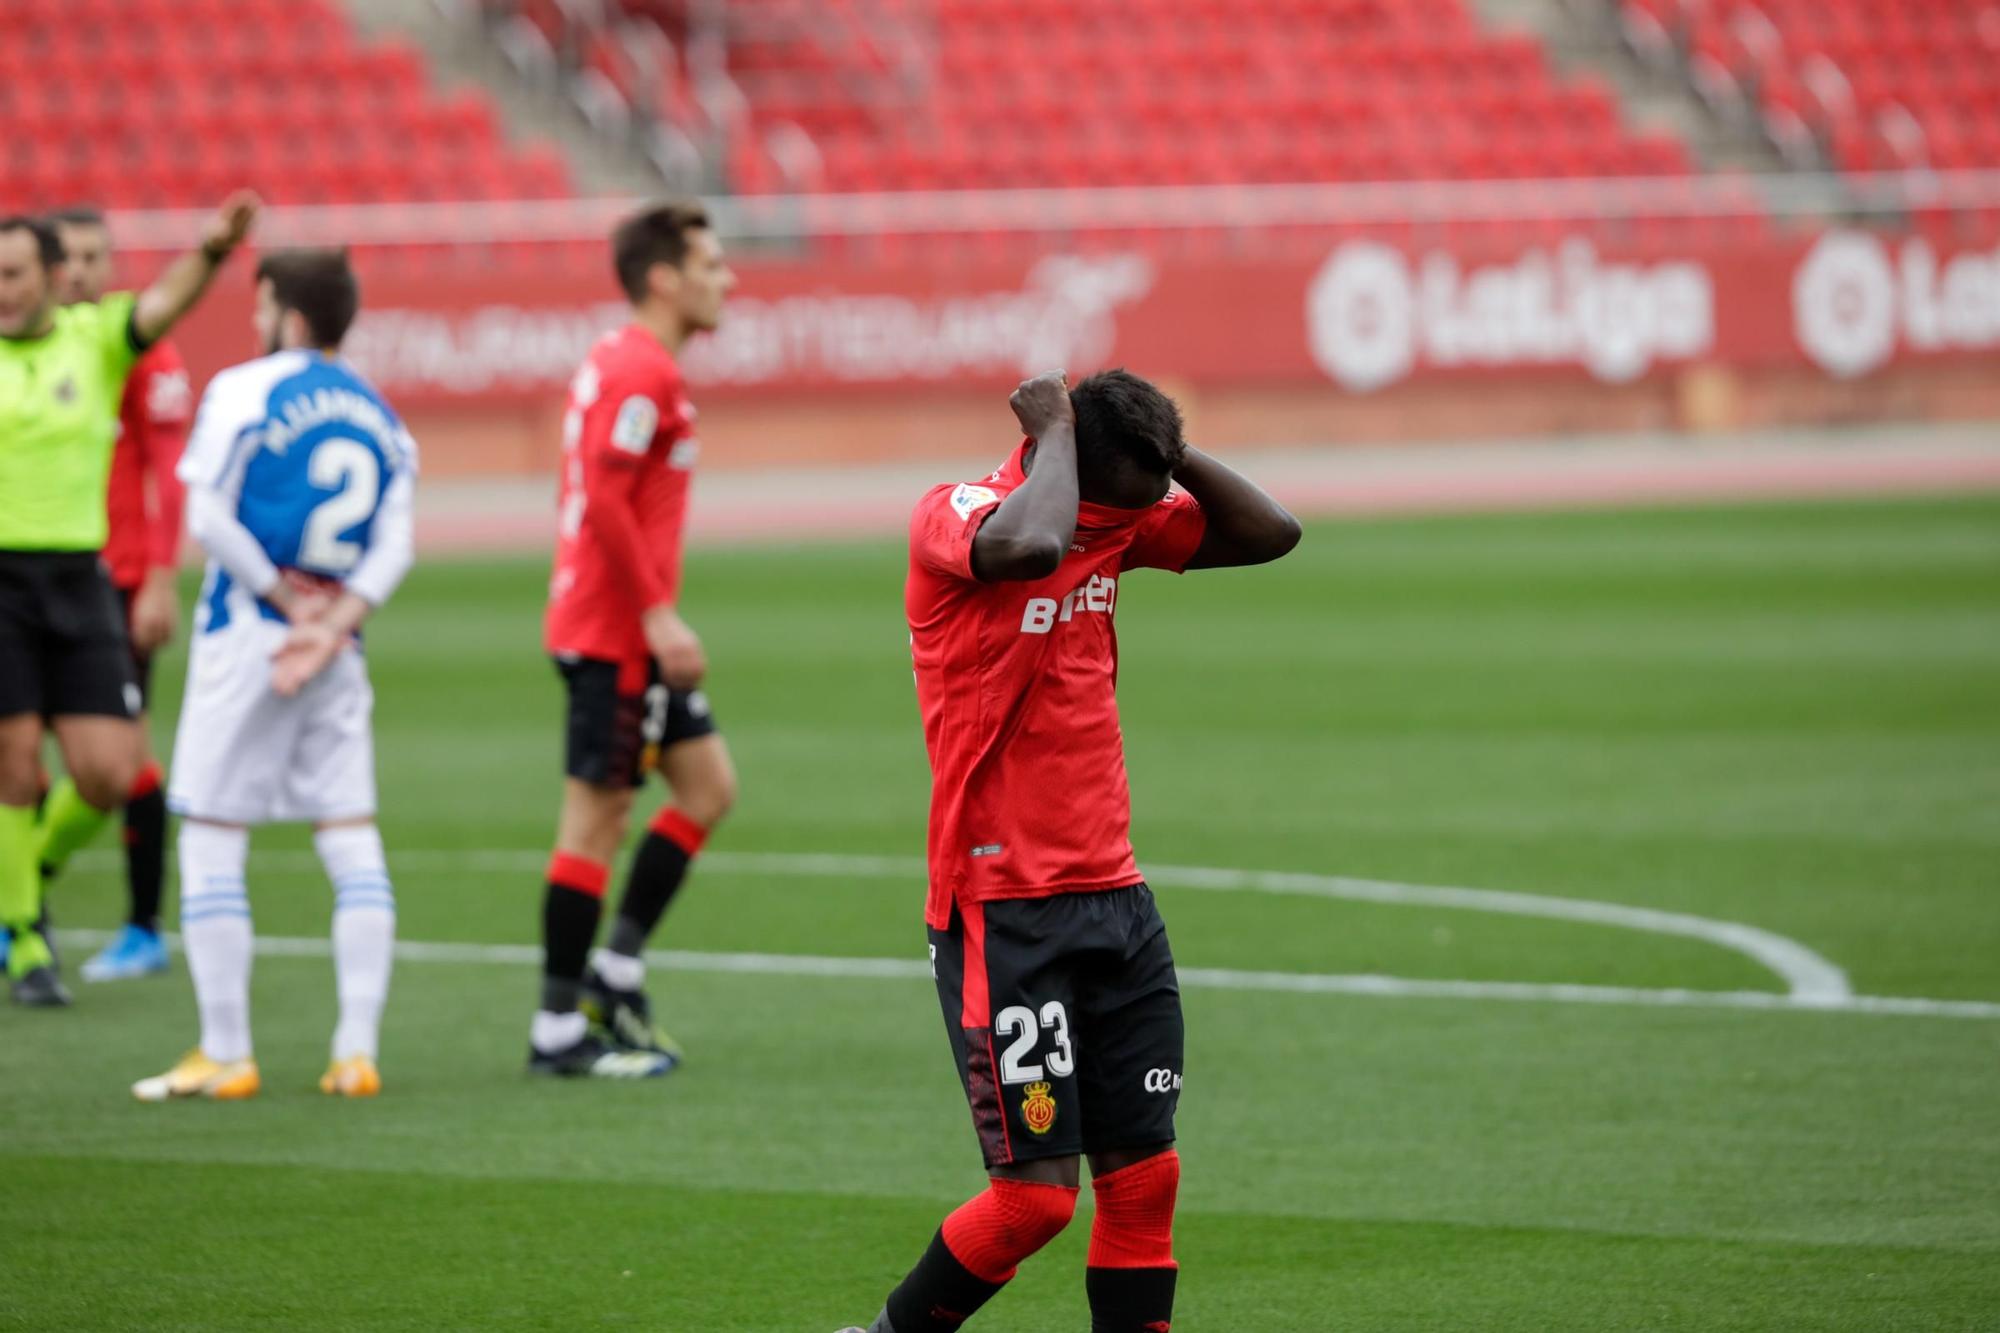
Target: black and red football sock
(146, 847)
(659, 868)
(570, 913)
(976, 1252)
(1131, 1276)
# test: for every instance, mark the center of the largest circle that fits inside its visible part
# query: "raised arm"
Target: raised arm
(176, 290)
(1029, 534)
(1245, 526)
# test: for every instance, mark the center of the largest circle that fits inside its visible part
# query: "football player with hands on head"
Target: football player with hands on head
(1060, 999)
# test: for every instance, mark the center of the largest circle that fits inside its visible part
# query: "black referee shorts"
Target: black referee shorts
(1064, 1015)
(63, 646)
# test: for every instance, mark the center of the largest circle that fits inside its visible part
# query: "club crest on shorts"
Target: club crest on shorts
(1038, 1109)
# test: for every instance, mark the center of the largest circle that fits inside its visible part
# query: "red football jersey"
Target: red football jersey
(628, 457)
(1017, 683)
(152, 427)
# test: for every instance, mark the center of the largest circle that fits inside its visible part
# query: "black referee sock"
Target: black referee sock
(146, 856)
(1130, 1300)
(659, 868)
(939, 1295)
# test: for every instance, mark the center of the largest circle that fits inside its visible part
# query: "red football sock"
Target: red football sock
(146, 783)
(993, 1232)
(1134, 1227)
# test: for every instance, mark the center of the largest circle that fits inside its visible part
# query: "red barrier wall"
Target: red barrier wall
(1365, 340)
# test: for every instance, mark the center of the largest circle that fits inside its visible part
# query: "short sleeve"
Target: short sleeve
(1169, 535)
(114, 334)
(944, 524)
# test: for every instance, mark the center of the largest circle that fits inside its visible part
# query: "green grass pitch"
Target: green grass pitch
(1785, 716)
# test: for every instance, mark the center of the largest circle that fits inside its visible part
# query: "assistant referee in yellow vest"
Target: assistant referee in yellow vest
(62, 645)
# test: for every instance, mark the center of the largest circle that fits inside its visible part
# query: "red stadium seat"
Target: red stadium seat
(169, 103)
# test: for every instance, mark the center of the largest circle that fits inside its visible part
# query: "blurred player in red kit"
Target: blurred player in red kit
(1059, 992)
(142, 553)
(632, 667)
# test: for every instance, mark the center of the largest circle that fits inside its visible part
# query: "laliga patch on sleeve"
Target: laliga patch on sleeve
(638, 420)
(969, 500)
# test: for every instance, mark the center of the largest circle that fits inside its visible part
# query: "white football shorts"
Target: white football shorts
(246, 755)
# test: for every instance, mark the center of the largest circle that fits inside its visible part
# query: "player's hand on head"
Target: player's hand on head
(231, 223)
(1042, 403)
(304, 654)
(676, 647)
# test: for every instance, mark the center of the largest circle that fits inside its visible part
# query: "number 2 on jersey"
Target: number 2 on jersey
(352, 466)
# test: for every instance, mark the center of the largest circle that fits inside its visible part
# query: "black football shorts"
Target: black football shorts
(63, 648)
(1064, 1015)
(622, 717)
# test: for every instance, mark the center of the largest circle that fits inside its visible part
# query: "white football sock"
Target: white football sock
(617, 969)
(215, 931)
(552, 1032)
(364, 933)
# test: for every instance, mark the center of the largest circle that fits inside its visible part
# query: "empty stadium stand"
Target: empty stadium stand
(864, 95)
(1855, 85)
(170, 103)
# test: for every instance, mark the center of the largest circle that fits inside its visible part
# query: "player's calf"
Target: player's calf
(1131, 1275)
(570, 909)
(976, 1252)
(364, 936)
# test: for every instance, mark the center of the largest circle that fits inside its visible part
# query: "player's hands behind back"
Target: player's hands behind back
(307, 648)
(1043, 403)
(675, 647)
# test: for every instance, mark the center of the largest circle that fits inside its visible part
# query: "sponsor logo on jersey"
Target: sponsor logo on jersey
(1038, 1109)
(1162, 1080)
(169, 397)
(966, 500)
(683, 456)
(65, 390)
(1097, 595)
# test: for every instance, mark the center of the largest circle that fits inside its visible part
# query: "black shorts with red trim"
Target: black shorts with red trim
(1064, 1015)
(622, 717)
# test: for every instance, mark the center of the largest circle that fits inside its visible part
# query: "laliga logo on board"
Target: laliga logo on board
(1852, 301)
(1372, 318)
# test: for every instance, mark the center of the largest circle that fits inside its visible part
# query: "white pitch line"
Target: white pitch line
(1199, 978)
(1808, 976)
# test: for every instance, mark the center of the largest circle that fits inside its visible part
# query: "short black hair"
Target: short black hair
(1121, 416)
(320, 285)
(656, 234)
(47, 243)
(77, 215)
